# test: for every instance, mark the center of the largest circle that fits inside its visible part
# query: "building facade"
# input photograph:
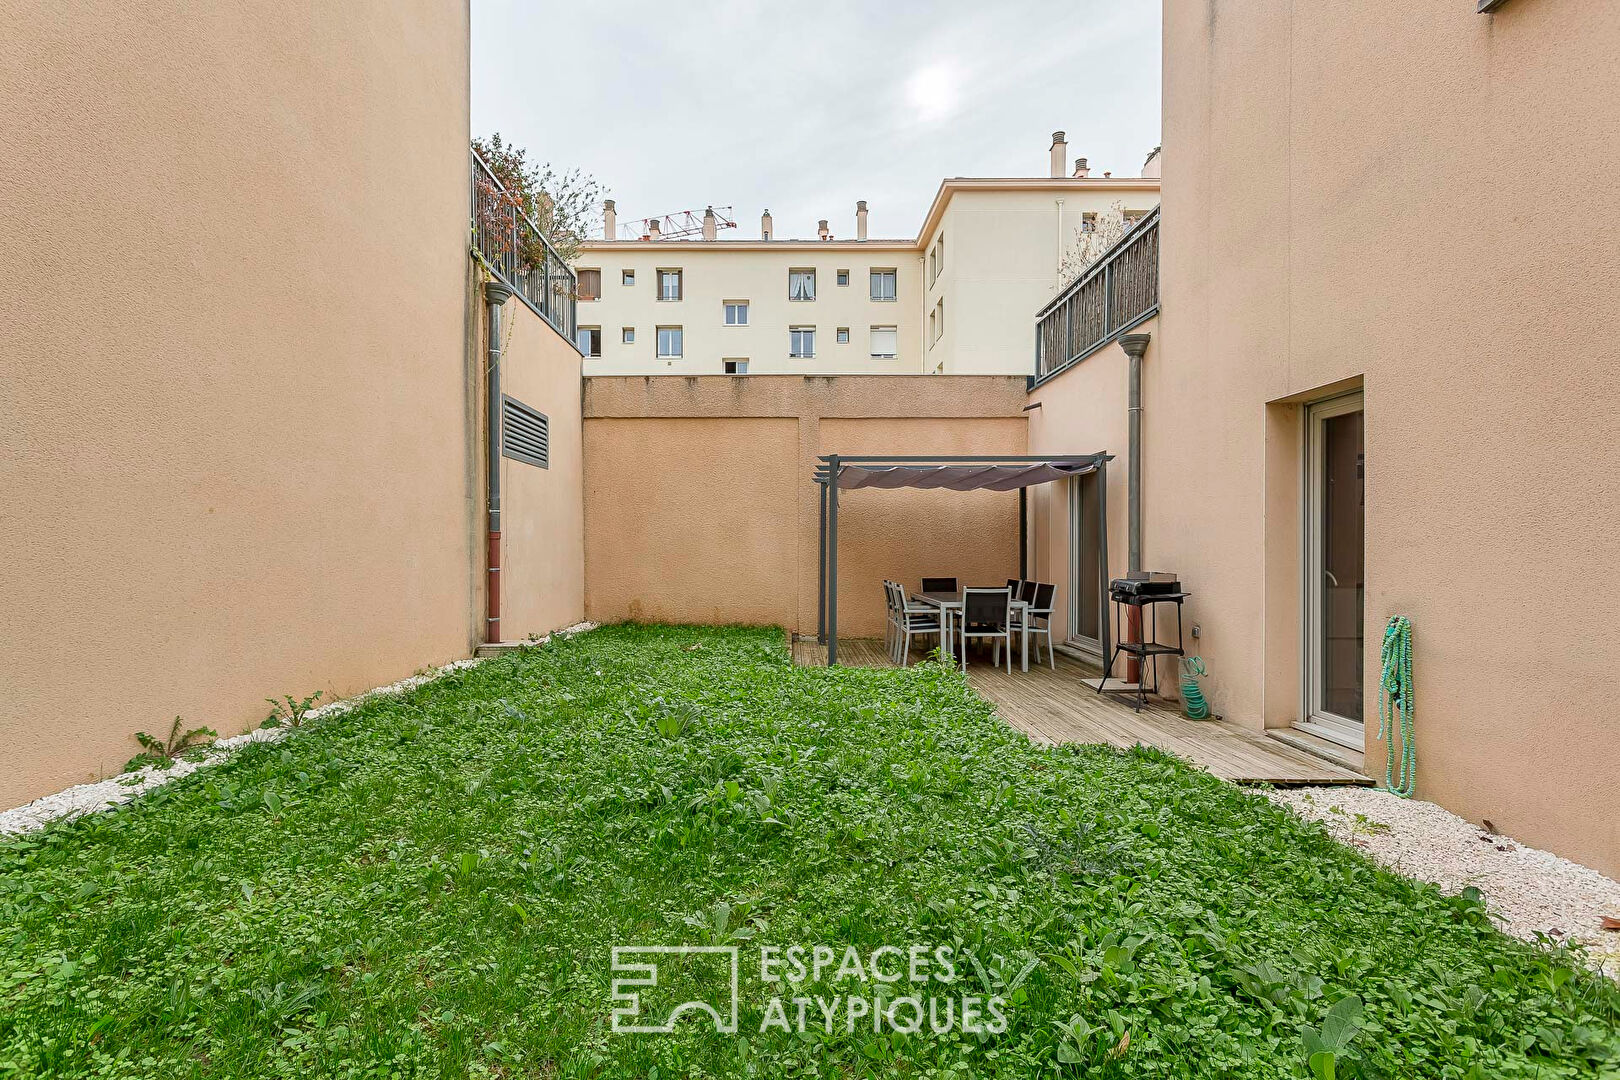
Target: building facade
(1356, 402)
(948, 301)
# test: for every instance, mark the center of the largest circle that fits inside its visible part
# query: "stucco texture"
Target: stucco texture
(542, 510)
(235, 412)
(1423, 206)
(700, 504)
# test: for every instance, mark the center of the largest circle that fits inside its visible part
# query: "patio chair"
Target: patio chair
(1040, 608)
(1026, 591)
(915, 620)
(987, 615)
(891, 624)
(938, 584)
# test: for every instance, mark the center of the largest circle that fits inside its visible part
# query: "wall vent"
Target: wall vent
(525, 433)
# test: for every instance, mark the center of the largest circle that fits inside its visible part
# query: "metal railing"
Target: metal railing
(1119, 291)
(506, 239)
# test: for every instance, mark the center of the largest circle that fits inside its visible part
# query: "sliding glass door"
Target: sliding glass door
(1335, 576)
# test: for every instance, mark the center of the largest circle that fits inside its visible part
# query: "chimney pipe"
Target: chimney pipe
(765, 225)
(821, 229)
(652, 229)
(610, 220)
(1060, 154)
(708, 224)
(1081, 168)
(860, 220)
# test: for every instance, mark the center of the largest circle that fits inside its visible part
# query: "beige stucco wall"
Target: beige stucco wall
(1375, 229)
(236, 419)
(1081, 411)
(542, 510)
(700, 505)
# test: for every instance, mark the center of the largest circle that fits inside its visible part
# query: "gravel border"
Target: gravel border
(1527, 891)
(103, 794)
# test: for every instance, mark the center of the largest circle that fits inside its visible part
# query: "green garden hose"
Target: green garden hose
(1396, 701)
(1192, 698)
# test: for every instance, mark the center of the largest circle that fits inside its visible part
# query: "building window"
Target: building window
(801, 284)
(628, 335)
(936, 259)
(936, 322)
(885, 342)
(736, 367)
(669, 284)
(627, 277)
(669, 342)
(843, 335)
(802, 341)
(590, 340)
(843, 277)
(1088, 221)
(883, 284)
(590, 285)
(736, 313)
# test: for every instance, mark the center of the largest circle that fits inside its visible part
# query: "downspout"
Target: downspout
(1057, 269)
(497, 294)
(1134, 345)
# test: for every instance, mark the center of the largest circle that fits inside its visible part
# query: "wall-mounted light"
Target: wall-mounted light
(1488, 6)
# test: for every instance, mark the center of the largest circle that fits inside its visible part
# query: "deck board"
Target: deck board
(1057, 707)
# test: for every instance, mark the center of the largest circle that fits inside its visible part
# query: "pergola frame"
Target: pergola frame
(833, 466)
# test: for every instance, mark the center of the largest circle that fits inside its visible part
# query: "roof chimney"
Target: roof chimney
(708, 223)
(1081, 168)
(1060, 154)
(860, 220)
(652, 229)
(765, 225)
(610, 220)
(821, 229)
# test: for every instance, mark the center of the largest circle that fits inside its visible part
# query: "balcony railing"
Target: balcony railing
(507, 241)
(1118, 292)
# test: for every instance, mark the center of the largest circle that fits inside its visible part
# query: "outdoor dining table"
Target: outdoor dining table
(948, 602)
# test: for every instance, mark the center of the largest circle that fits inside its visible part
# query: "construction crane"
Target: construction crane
(680, 224)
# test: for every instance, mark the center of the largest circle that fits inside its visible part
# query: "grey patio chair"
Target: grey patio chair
(916, 620)
(938, 584)
(987, 615)
(891, 623)
(1040, 608)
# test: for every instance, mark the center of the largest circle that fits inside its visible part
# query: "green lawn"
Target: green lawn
(431, 885)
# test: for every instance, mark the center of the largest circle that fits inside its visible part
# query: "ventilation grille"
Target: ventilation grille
(525, 433)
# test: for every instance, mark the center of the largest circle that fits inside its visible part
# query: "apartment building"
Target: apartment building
(937, 303)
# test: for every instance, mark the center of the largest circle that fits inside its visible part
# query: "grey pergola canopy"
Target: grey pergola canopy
(994, 472)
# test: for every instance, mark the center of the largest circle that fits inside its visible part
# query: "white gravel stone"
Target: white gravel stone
(91, 798)
(1526, 890)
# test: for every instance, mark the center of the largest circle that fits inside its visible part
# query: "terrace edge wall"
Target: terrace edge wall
(700, 506)
(237, 423)
(542, 510)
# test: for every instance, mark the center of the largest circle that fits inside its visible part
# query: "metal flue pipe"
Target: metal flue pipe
(1134, 345)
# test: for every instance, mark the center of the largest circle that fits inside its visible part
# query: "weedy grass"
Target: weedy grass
(430, 885)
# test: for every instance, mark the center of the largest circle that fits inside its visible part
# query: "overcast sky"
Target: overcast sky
(806, 107)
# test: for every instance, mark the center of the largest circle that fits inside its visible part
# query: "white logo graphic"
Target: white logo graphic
(628, 1000)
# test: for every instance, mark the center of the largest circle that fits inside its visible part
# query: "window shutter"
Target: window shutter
(525, 433)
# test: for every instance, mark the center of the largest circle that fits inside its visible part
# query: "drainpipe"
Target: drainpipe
(1134, 345)
(497, 294)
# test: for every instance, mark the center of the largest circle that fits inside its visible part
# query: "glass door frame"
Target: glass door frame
(1314, 719)
(1079, 539)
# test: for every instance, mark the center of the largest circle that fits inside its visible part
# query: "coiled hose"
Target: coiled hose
(1193, 704)
(1396, 704)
